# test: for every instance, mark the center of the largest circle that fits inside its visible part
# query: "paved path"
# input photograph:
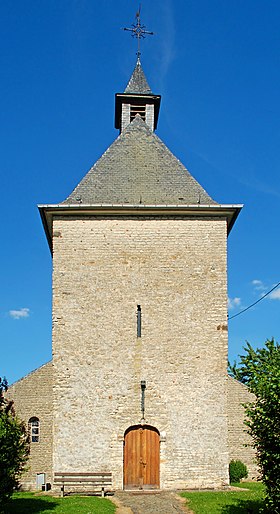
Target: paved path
(149, 503)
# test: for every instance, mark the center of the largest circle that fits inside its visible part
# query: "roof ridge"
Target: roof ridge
(30, 373)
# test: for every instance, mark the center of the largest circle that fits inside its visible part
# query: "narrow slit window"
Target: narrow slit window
(138, 320)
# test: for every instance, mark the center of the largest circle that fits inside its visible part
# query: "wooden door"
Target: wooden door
(141, 458)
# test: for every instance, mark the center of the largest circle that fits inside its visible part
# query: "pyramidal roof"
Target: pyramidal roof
(138, 83)
(138, 169)
(138, 175)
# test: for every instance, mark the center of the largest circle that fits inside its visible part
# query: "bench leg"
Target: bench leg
(102, 492)
(62, 491)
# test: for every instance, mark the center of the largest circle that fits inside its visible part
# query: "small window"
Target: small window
(34, 426)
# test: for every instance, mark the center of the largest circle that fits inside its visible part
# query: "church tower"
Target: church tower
(139, 313)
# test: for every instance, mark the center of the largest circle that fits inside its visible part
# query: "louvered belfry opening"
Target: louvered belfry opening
(138, 109)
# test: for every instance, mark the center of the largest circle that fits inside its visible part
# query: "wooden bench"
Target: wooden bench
(101, 483)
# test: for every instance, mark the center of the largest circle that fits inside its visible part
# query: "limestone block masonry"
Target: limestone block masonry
(238, 438)
(175, 269)
(125, 115)
(32, 397)
(150, 115)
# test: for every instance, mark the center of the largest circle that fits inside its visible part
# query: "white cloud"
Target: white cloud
(275, 295)
(259, 285)
(233, 303)
(256, 282)
(263, 290)
(21, 313)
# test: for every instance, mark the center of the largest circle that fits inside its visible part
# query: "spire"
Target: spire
(138, 83)
(137, 99)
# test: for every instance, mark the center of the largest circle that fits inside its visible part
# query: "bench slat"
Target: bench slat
(76, 474)
(101, 480)
(83, 480)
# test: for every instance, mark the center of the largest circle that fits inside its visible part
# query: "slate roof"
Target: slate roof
(138, 169)
(138, 83)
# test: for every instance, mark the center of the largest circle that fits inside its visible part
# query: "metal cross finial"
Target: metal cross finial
(139, 31)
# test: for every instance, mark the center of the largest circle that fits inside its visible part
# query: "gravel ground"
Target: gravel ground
(149, 503)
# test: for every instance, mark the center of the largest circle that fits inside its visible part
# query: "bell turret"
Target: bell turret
(137, 99)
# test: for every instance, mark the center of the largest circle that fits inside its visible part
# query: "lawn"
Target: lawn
(227, 502)
(28, 503)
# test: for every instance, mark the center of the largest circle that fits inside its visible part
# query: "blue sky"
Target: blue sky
(217, 66)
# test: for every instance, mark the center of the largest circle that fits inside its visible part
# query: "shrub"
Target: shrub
(14, 446)
(260, 370)
(237, 471)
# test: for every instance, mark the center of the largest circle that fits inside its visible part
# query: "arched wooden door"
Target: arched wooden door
(141, 458)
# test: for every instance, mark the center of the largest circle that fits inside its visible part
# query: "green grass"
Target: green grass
(29, 503)
(227, 502)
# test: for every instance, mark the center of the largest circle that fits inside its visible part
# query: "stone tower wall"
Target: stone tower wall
(176, 270)
(32, 396)
(33, 393)
(239, 440)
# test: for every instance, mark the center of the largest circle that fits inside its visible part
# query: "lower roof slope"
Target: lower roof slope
(138, 169)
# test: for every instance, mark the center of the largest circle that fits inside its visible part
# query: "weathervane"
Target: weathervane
(139, 31)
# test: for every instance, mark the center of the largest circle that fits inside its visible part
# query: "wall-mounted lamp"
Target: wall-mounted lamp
(143, 387)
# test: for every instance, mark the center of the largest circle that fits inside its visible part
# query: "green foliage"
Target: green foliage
(260, 370)
(14, 446)
(237, 471)
(3, 389)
